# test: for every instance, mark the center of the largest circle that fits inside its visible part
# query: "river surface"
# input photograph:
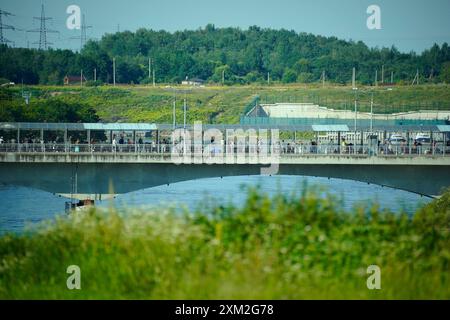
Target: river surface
(21, 207)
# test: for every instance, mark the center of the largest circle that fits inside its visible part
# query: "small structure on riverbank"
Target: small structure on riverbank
(196, 82)
(73, 80)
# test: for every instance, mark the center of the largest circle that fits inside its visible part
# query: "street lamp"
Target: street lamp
(371, 112)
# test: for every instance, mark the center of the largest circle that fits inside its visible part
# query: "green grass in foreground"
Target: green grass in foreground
(284, 247)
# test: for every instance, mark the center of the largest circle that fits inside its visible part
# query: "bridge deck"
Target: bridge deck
(101, 170)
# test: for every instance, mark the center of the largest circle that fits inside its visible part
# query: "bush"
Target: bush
(92, 83)
(305, 77)
(4, 80)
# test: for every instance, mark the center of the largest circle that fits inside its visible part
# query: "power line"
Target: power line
(43, 43)
(3, 40)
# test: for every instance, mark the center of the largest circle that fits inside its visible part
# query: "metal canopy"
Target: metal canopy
(223, 127)
(78, 126)
(444, 128)
(120, 126)
(330, 127)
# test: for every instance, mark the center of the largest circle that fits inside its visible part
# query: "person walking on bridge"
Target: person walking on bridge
(114, 144)
(140, 144)
(343, 146)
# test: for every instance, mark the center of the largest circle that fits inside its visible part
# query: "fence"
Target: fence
(291, 148)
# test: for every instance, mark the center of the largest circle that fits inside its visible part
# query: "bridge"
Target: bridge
(95, 169)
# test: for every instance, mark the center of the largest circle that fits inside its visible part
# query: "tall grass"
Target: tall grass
(283, 247)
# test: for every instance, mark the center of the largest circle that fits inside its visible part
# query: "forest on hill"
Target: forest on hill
(215, 54)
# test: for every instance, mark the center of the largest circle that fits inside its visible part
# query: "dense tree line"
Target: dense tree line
(242, 56)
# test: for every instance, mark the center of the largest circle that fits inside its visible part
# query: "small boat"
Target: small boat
(81, 205)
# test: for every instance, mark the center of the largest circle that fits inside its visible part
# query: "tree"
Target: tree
(201, 53)
(252, 77)
(305, 77)
(302, 65)
(445, 73)
(221, 72)
(50, 110)
(289, 76)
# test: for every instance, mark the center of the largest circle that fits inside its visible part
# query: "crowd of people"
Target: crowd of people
(122, 143)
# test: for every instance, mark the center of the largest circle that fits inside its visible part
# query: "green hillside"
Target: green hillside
(211, 104)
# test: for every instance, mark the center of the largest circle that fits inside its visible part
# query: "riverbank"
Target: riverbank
(282, 247)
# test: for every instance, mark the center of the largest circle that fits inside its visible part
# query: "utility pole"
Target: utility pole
(174, 109)
(184, 110)
(392, 77)
(26, 95)
(114, 71)
(43, 43)
(268, 78)
(323, 78)
(371, 114)
(149, 68)
(154, 81)
(81, 78)
(3, 40)
(382, 74)
(416, 78)
(356, 115)
(376, 77)
(354, 78)
(223, 77)
(184, 127)
(95, 74)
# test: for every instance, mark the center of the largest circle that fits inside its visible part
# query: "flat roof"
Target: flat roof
(78, 126)
(308, 127)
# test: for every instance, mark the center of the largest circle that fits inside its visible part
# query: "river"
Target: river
(21, 207)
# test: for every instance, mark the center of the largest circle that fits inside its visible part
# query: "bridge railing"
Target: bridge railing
(286, 148)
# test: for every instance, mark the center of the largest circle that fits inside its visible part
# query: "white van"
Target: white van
(397, 139)
(423, 138)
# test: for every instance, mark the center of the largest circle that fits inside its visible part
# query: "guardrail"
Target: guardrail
(278, 148)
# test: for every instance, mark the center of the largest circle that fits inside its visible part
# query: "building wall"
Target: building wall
(309, 110)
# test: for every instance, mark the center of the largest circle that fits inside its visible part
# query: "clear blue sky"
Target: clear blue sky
(407, 24)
